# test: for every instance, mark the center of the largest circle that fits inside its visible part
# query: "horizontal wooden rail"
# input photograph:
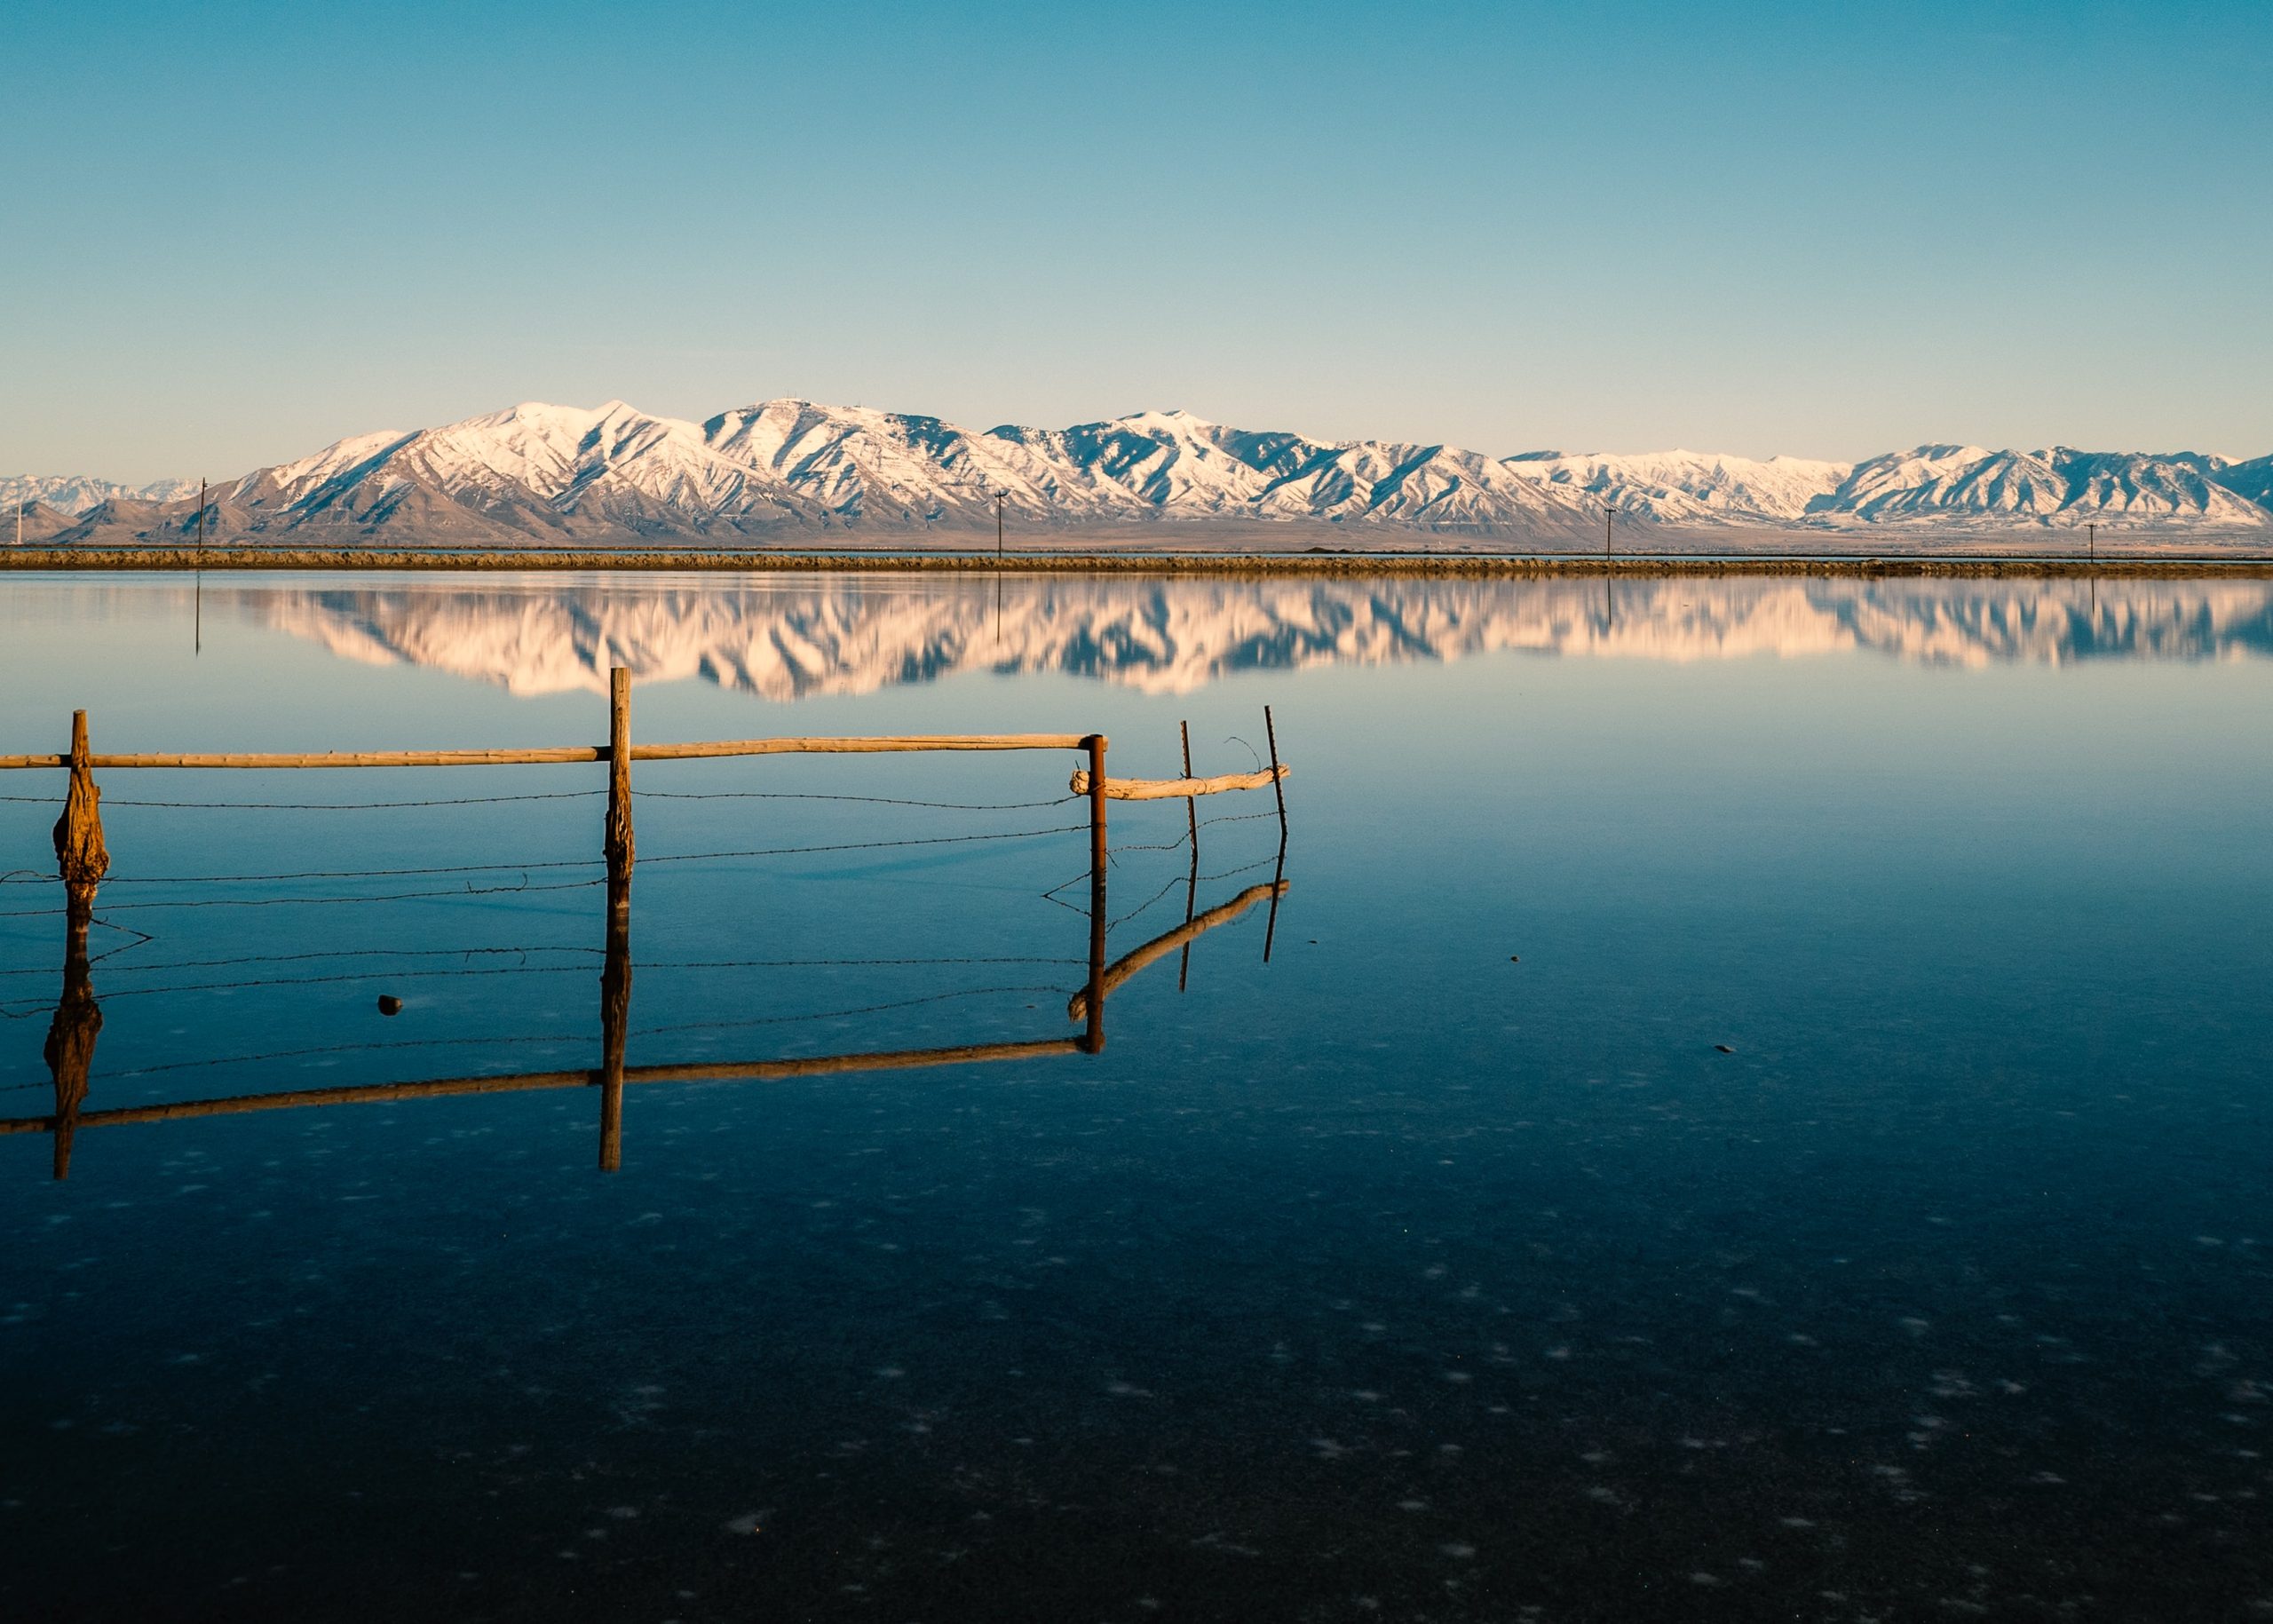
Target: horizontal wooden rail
(1178, 789)
(1077, 1006)
(378, 1093)
(565, 753)
(854, 747)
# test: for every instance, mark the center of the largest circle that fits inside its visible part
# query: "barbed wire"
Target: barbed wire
(341, 1048)
(638, 963)
(1261, 862)
(522, 868)
(876, 800)
(351, 873)
(328, 953)
(34, 1005)
(407, 896)
(564, 795)
(871, 1008)
(472, 800)
(581, 1037)
(864, 845)
(1114, 924)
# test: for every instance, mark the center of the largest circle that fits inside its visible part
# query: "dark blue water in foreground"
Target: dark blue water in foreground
(1757, 1108)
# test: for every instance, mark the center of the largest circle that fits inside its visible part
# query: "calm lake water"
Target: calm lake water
(1756, 1107)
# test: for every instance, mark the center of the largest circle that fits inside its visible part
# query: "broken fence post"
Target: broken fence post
(81, 857)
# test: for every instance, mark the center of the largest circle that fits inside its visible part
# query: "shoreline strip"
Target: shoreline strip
(537, 560)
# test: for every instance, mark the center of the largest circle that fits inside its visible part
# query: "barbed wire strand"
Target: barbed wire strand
(407, 896)
(876, 800)
(114, 995)
(470, 800)
(580, 1037)
(374, 874)
(352, 953)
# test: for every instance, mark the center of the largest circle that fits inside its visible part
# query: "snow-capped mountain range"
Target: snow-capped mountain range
(790, 640)
(71, 495)
(793, 472)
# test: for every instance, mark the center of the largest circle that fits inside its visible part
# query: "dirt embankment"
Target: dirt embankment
(1316, 564)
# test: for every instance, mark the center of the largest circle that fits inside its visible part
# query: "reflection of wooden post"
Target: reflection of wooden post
(619, 847)
(1278, 889)
(1277, 788)
(615, 1013)
(617, 844)
(71, 1037)
(1191, 881)
(81, 858)
(1093, 1039)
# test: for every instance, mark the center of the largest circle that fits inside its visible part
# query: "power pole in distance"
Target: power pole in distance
(998, 529)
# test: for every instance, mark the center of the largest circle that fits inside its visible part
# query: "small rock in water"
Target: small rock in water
(1724, 1049)
(1515, 958)
(389, 1004)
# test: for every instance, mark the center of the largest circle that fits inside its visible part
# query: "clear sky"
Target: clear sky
(239, 232)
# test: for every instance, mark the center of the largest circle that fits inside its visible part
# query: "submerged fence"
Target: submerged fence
(83, 861)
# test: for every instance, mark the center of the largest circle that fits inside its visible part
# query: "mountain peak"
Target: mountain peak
(786, 465)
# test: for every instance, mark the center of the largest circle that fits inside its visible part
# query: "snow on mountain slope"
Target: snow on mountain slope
(1689, 486)
(1938, 480)
(531, 467)
(793, 641)
(2251, 481)
(32, 521)
(1941, 482)
(851, 464)
(780, 469)
(75, 493)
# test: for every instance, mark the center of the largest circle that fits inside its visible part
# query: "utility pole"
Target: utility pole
(998, 529)
(2091, 535)
(1606, 511)
(197, 630)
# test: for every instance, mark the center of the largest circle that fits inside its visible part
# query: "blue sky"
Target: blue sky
(240, 232)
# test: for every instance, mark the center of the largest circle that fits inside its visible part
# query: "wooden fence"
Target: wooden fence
(83, 860)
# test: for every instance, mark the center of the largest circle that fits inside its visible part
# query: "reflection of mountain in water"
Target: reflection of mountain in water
(790, 637)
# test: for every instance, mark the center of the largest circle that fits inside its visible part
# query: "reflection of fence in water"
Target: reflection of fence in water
(82, 862)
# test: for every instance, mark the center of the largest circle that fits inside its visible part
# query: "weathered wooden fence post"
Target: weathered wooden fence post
(1093, 1039)
(615, 1015)
(618, 843)
(81, 857)
(1191, 803)
(1278, 785)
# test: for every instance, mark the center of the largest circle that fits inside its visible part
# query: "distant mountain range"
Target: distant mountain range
(53, 502)
(794, 639)
(795, 473)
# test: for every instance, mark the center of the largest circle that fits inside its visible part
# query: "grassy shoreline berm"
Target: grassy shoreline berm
(1441, 564)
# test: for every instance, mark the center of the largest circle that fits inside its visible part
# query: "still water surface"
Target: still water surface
(1755, 1107)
